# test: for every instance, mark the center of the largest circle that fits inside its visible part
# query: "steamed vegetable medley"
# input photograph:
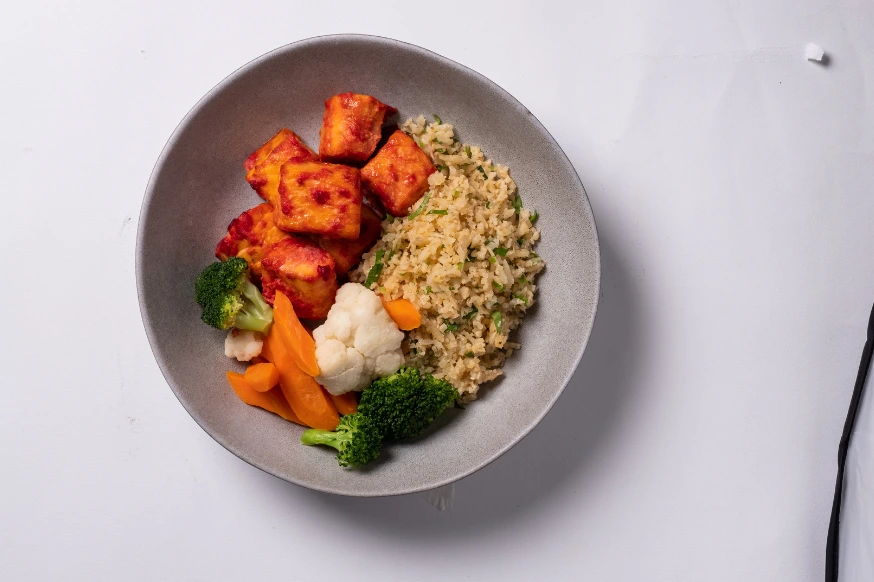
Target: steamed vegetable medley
(352, 379)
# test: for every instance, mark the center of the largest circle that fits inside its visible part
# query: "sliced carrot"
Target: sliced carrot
(308, 400)
(294, 335)
(258, 360)
(262, 377)
(266, 354)
(404, 314)
(346, 403)
(272, 400)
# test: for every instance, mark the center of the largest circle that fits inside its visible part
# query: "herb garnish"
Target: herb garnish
(421, 207)
(498, 319)
(375, 270)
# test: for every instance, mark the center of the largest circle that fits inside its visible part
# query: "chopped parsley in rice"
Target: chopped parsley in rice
(464, 257)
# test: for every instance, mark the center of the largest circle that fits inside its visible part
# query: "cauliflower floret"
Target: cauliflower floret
(358, 342)
(243, 345)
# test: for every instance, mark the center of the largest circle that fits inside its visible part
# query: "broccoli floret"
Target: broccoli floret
(229, 299)
(356, 439)
(404, 404)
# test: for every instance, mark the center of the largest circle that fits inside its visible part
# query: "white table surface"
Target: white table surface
(733, 186)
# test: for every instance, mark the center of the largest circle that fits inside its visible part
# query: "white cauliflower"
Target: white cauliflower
(358, 342)
(243, 345)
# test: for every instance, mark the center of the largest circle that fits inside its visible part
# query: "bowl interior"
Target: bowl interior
(198, 186)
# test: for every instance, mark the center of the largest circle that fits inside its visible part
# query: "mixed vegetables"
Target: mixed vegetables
(285, 259)
(282, 379)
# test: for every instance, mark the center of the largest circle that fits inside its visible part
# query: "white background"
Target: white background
(733, 186)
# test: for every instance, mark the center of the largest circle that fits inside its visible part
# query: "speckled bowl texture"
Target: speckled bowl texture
(198, 186)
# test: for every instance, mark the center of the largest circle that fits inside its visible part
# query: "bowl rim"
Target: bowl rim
(152, 336)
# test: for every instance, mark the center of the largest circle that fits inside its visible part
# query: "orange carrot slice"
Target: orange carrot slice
(266, 354)
(262, 377)
(346, 403)
(294, 335)
(272, 400)
(308, 400)
(404, 314)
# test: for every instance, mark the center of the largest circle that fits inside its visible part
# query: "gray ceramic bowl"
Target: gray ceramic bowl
(198, 186)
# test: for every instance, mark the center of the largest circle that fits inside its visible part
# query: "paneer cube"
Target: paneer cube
(248, 235)
(398, 173)
(263, 175)
(319, 198)
(303, 272)
(347, 253)
(262, 152)
(352, 127)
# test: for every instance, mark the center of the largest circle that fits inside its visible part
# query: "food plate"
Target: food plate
(197, 187)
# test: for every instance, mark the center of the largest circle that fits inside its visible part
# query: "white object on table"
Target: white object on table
(814, 52)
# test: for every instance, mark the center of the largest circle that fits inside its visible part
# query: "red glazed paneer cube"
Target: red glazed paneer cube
(244, 231)
(303, 272)
(398, 173)
(262, 152)
(347, 253)
(352, 127)
(262, 167)
(248, 235)
(319, 198)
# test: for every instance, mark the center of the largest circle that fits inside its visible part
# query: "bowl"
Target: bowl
(198, 186)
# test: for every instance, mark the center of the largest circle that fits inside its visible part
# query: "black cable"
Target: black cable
(832, 542)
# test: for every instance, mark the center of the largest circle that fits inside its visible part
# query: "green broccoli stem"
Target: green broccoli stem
(317, 436)
(357, 440)
(259, 305)
(256, 314)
